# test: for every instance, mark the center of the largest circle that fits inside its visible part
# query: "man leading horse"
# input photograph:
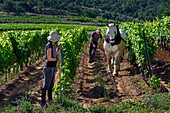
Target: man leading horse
(93, 43)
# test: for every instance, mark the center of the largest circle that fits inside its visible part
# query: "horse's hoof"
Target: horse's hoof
(115, 74)
(109, 72)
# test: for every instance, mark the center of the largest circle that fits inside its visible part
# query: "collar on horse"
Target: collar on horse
(117, 38)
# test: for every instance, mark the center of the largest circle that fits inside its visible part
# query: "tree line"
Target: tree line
(121, 10)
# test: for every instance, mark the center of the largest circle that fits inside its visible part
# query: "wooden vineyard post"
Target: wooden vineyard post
(147, 54)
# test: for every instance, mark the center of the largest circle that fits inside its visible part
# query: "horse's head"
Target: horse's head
(113, 34)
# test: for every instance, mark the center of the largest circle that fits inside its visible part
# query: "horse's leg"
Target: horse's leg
(120, 56)
(109, 69)
(112, 61)
(116, 64)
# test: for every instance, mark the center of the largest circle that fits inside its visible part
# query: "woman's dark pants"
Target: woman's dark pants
(49, 78)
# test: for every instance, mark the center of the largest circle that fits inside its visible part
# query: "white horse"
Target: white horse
(114, 46)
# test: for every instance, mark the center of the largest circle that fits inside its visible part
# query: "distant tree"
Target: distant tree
(8, 6)
(0, 7)
(166, 12)
(106, 15)
(1, 1)
(123, 10)
(19, 7)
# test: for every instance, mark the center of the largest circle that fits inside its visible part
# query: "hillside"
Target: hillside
(121, 10)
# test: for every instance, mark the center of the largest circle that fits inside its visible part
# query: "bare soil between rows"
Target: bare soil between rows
(95, 85)
(92, 84)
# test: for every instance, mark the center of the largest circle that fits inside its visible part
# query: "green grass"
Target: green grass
(28, 26)
(158, 103)
(37, 22)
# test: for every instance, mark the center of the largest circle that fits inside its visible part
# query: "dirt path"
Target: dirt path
(94, 85)
(27, 83)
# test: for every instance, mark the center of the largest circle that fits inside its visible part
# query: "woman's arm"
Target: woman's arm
(49, 55)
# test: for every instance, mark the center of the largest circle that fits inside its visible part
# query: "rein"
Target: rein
(123, 39)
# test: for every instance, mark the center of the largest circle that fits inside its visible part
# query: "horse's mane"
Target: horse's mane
(118, 36)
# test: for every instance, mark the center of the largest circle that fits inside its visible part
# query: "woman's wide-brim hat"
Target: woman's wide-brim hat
(53, 37)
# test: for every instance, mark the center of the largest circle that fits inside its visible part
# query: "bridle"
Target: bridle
(116, 40)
